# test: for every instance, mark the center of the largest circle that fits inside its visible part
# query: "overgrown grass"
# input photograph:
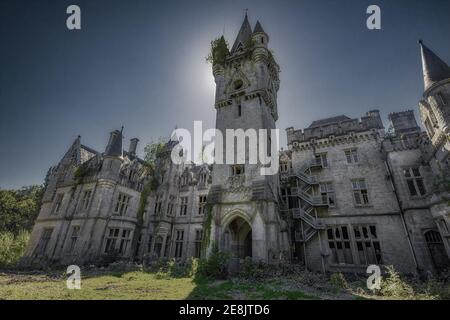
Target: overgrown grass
(12, 247)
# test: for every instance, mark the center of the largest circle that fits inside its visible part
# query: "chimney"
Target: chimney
(114, 147)
(133, 146)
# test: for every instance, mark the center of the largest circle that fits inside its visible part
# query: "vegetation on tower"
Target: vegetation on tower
(218, 52)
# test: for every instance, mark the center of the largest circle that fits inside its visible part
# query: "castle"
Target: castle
(348, 193)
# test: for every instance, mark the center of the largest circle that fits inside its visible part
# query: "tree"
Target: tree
(19, 208)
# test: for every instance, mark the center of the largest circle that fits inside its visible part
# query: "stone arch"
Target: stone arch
(237, 235)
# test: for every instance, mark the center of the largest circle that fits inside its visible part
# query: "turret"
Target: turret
(435, 106)
(112, 157)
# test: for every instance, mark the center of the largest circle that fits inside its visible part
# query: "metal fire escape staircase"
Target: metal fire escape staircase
(300, 203)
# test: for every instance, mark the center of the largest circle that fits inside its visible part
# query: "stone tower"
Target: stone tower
(244, 202)
(435, 115)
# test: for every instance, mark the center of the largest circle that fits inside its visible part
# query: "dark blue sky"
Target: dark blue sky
(141, 64)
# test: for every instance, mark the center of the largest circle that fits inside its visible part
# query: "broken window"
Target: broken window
(201, 205)
(198, 243)
(414, 180)
(58, 202)
(340, 246)
(45, 239)
(183, 205)
(179, 243)
(122, 204)
(117, 241)
(367, 245)
(351, 155)
(85, 200)
(170, 205)
(360, 193)
(73, 238)
(327, 194)
(321, 159)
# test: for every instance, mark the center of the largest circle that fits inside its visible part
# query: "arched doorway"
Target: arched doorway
(237, 239)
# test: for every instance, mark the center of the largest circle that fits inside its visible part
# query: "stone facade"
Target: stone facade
(349, 193)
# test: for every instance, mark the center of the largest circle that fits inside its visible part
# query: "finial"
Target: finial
(121, 130)
(420, 41)
(246, 11)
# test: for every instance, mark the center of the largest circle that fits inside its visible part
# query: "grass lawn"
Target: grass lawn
(137, 285)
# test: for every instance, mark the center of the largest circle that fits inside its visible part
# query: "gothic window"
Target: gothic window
(179, 243)
(58, 202)
(201, 205)
(170, 205)
(237, 170)
(414, 180)
(367, 245)
(45, 239)
(183, 206)
(85, 200)
(339, 243)
(327, 194)
(321, 159)
(198, 243)
(158, 204)
(284, 167)
(122, 204)
(117, 241)
(429, 127)
(360, 193)
(73, 238)
(351, 155)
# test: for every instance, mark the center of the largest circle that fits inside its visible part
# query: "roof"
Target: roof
(244, 34)
(258, 28)
(434, 69)
(114, 147)
(327, 121)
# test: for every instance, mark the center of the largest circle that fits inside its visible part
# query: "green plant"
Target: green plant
(218, 52)
(338, 281)
(394, 286)
(12, 247)
(215, 265)
(207, 224)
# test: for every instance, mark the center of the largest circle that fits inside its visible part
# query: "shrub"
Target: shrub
(394, 286)
(215, 266)
(12, 247)
(338, 281)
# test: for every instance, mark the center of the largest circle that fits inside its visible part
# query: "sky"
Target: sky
(141, 64)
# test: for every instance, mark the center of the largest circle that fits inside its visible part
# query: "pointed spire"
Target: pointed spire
(244, 34)
(434, 69)
(258, 28)
(114, 147)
